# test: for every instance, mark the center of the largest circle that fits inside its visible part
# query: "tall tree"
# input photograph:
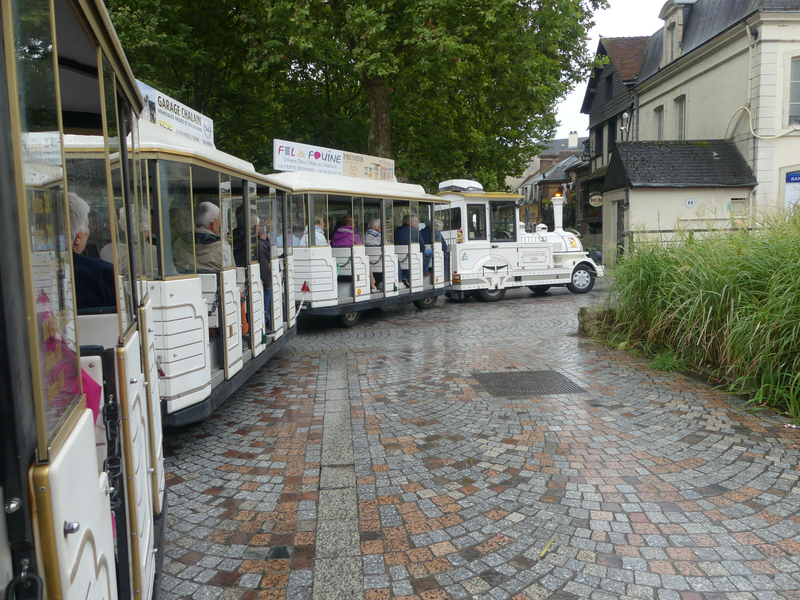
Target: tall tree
(497, 64)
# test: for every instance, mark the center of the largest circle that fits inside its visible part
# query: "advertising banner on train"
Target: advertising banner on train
(292, 156)
(170, 114)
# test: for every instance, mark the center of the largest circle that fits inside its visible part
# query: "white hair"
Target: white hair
(78, 215)
(205, 213)
(374, 224)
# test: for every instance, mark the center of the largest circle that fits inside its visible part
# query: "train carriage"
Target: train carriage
(80, 416)
(360, 244)
(215, 322)
(492, 251)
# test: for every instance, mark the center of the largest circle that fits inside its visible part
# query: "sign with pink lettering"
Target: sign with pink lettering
(292, 156)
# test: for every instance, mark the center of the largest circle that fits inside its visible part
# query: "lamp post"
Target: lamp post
(626, 205)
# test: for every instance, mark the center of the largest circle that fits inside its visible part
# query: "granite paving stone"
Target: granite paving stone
(383, 461)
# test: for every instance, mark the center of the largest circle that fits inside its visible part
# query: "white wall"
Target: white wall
(715, 85)
(778, 42)
(668, 209)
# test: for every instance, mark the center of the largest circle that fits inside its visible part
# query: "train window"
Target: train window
(244, 238)
(118, 216)
(255, 226)
(211, 219)
(296, 220)
(388, 222)
(226, 200)
(340, 216)
(406, 216)
(455, 218)
(503, 221)
(147, 253)
(317, 232)
(177, 229)
(358, 220)
(47, 213)
(372, 214)
(476, 221)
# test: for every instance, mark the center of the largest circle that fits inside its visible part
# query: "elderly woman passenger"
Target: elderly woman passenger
(94, 277)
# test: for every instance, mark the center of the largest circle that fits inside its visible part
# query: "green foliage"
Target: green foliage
(454, 88)
(730, 303)
(666, 361)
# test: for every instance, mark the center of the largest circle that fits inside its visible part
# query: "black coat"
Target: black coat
(94, 282)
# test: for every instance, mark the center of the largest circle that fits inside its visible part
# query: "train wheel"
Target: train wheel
(350, 319)
(426, 302)
(490, 295)
(582, 280)
(539, 289)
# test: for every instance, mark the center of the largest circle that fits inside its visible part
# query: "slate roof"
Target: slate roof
(679, 164)
(558, 172)
(553, 147)
(705, 20)
(626, 53)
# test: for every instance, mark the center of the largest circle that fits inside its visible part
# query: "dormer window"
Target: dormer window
(673, 14)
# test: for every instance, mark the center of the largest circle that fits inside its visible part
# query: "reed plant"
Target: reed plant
(727, 305)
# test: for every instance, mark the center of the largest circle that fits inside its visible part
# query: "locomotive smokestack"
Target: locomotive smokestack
(558, 212)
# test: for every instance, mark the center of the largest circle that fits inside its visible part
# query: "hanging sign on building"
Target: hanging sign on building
(596, 200)
(292, 156)
(170, 114)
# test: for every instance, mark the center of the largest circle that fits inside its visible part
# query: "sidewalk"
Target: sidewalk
(435, 454)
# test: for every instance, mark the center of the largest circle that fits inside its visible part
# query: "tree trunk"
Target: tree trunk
(471, 164)
(380, 130)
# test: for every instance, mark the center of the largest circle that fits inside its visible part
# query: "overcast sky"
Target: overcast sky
(625, 18)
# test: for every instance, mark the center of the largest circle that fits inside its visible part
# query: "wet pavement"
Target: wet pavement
(480, 451)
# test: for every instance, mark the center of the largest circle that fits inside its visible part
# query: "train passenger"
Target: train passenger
(345, 234)
(107, 252)
(425, 236)
(320, 225)
(208, 246)
(373, 238)
(94, 277)
(240, 237)
(407, 234)
(265, 262)
(373, 235)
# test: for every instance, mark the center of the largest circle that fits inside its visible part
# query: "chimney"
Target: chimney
(573, 139)
(558, 213)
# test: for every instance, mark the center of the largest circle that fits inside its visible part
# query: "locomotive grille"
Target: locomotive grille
(528, 383)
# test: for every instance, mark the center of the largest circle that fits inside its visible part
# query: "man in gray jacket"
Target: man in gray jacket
(208, 246)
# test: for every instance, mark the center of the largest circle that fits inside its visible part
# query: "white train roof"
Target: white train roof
(153, 138)
(306, 181)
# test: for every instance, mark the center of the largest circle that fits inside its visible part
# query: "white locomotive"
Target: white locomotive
(490, 251)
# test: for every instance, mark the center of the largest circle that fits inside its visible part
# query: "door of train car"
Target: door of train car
(74, 431)
(270, 206)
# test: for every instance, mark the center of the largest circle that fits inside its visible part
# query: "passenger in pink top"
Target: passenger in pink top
(345, 235)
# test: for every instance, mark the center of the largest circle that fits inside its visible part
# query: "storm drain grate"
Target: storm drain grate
(529, 383)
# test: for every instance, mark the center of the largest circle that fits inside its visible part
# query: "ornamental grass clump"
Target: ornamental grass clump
(728, 304)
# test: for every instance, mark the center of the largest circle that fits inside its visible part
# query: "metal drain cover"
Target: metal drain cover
(528, 383)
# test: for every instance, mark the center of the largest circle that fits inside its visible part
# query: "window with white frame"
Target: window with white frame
(680, 118)
(658, 118)
(794, 93)
(738, 207)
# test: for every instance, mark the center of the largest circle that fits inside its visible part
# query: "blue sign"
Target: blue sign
(793, 178)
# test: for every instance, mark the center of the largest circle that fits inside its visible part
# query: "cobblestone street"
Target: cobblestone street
(480, 451)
